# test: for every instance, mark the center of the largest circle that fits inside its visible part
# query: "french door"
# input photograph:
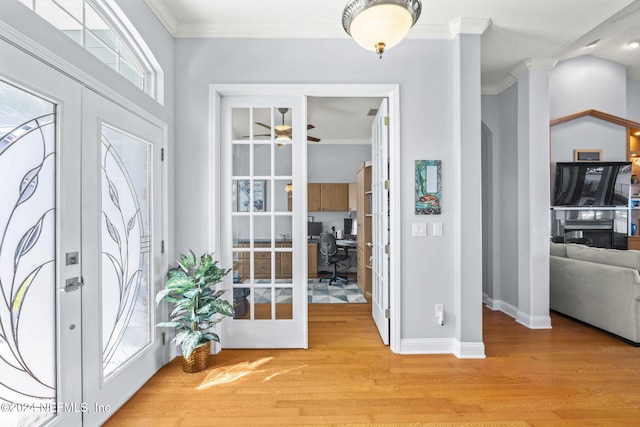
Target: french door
(263, 220)
(121, 246)
(79, 248)
(380, 223)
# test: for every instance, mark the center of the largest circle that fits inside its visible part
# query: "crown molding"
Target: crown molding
(497, 88)
(544, 64)
(465, 25)
(164, 15)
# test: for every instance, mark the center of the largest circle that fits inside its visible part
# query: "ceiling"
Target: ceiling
(519, 29)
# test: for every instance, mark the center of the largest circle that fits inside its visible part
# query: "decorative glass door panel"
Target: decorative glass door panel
(263, 148)
(126, 178)
(28, 344)
(122, 261)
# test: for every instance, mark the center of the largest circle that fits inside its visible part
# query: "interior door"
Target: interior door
(39, 223)
(380, 221)
(263, 220)
(122, 261)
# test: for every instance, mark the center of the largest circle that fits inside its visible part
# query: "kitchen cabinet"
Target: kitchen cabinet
(327, 197)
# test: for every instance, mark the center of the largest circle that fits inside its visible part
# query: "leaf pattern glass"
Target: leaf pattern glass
(126, 243)
(27, 256)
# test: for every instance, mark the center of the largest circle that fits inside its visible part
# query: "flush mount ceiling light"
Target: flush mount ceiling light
(633, 44)
(592, 44)
(378, 25)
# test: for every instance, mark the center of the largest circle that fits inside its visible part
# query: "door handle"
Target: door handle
(370, 244)
(72, 284)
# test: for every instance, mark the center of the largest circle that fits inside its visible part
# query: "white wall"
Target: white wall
(426, 128)
(633, 100)
(588, 83)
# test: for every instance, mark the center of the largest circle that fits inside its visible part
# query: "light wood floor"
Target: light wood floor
(571, 375)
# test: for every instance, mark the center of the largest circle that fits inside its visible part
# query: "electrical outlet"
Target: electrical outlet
(440, 314)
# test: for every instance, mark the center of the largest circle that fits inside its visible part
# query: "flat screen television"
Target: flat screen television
(592, 184)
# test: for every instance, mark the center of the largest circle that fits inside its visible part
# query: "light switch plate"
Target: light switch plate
(419, 229)
(437, 229)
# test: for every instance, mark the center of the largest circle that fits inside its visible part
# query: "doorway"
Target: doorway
(81, 229)
(337, 152)
(218, 92)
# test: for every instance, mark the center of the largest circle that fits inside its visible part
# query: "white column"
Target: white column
(533, 192)
(468, 186)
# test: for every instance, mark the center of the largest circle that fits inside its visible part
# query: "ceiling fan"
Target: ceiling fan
(283, 132)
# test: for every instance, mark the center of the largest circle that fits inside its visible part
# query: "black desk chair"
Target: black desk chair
(329, 252)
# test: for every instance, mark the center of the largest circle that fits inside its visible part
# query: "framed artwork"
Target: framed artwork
(243, 192)
(428, 187)
(587, 155)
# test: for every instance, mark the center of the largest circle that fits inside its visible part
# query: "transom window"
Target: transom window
(96, 26)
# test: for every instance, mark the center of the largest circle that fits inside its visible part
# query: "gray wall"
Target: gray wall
(426, 128)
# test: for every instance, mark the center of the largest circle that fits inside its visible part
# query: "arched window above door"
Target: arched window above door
(102, 29)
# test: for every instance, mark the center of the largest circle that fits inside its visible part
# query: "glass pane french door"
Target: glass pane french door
(380, 223)
(121, 244)
(39, 321)
(264, 221)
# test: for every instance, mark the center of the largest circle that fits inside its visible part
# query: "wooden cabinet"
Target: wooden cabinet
(262, 261)
(327, 197)
(314, 202)
(312, 260)
(353, 197)
(364, 218)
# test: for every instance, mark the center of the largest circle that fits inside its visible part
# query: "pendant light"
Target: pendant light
(378, 25)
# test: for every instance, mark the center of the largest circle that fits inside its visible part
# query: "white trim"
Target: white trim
(462, 350)
(469, 350)
(533, 322)
(391, 91)
(499, 305)
(531, 64)
(164, 15)
(463, 25)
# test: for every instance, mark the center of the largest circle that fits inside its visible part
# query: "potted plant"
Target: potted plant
(196, 303)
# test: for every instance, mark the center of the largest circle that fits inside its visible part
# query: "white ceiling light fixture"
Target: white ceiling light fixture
(378, 25)
(634, 44)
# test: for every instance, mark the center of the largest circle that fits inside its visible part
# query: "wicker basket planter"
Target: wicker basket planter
(198, 360)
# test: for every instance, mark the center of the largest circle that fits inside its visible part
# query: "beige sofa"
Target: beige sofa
(600, 287)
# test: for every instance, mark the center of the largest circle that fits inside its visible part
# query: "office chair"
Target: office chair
(329, 252)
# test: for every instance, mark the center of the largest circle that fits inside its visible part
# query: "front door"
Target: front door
(263, 221)
(40, 324)
(380, 223)
(121, 246)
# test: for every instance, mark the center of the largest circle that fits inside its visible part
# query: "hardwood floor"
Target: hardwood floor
(571, 375)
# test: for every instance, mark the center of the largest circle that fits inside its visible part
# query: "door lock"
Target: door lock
(72, 284)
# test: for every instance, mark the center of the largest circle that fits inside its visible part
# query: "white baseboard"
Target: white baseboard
(443, 346)
(533, 322)
(498, 305)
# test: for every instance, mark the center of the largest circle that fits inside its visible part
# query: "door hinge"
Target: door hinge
(387, 313)
(164, 337)
(162, 154)
(387, 249)
(386, 120)
(162, 247)
(387, 185)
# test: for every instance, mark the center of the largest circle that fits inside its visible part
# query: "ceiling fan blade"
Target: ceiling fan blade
(263, 125)
(310, 126)
(313, 139)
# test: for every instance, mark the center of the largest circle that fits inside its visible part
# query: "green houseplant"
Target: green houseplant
(191, 288)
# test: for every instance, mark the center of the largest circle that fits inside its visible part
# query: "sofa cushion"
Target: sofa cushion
(558, 249)
(619, 258)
